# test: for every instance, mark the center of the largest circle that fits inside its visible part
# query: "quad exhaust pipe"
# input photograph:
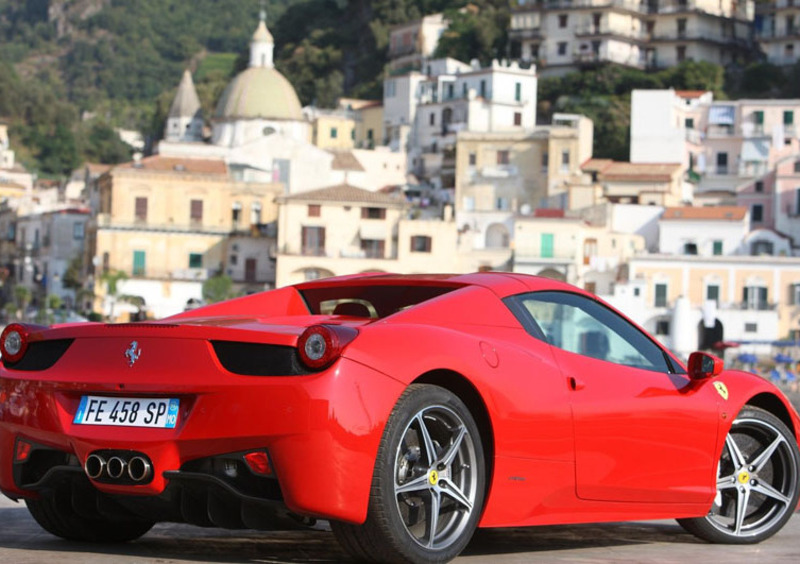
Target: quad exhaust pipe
(118, 468)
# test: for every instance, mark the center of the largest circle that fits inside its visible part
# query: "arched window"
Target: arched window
(497, 236)
(255, 213)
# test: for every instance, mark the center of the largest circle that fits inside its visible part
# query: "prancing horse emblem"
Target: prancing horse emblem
(133, 353)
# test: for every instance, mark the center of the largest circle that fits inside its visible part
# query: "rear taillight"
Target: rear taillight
(13, 342)
(320, 345)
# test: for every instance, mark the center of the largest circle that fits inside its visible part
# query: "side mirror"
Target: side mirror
(703, 365)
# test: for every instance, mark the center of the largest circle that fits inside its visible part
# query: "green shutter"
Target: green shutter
(547, 245)
(759, 117)
(788, 117)
(138, 263)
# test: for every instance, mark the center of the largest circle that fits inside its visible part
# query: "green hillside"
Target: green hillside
(72, 70)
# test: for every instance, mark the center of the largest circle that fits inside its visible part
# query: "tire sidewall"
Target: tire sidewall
(705, 529)
(417, 398)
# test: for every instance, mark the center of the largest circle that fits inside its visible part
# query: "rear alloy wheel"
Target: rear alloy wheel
(757, 482)
(428, 486)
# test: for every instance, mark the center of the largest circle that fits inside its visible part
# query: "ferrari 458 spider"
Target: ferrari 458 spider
(405, 410)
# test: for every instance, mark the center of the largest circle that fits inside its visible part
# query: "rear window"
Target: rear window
(373, 301)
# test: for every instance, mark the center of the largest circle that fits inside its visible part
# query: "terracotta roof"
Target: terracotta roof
(344, 193)
(690, 93)
(643, 172)
(596, 165)
(8, 184)
(158, 163)
(96, 169)
(548, 213)
(725, 213)
(346, 160)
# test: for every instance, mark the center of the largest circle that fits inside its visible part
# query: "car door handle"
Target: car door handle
(575, 384)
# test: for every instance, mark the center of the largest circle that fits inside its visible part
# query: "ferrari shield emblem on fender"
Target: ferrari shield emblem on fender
(133, 352)
(722, 390)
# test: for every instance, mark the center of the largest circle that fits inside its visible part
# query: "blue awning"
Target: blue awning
(755, 150)
(721, 115)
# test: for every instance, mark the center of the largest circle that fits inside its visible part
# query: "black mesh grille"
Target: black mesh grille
(41, 355)
(256, 359)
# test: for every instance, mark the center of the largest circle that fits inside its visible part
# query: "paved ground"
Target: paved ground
(23, 542)
(657, 542)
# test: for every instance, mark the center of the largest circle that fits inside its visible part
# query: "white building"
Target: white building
(424, 113)
(567, 35)
(704, 231)
(258, 126)
(412, 44)
(46, 243)
(778, 30)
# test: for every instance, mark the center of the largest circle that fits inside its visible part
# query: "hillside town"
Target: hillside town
(696, 236)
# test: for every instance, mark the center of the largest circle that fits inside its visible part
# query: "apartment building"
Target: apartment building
(550, 243)
(608, 181)
(778, 30)
(413, 43)
(727, 147)
(566, 35)
(500, 175)
(42, 245)
(425, 112)
(708, 282)
(170, 223)
(344, 230)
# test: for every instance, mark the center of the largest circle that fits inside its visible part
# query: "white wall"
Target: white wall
(655, 138)
(674, 234)
(642, 220)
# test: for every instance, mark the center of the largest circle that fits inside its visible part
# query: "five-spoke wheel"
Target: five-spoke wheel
(428, 485)
(757, 482)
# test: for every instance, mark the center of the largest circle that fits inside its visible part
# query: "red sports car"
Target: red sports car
(406, 410)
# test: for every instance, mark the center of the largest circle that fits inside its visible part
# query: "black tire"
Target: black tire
(757, 482)
(409, 487)
(56, 515)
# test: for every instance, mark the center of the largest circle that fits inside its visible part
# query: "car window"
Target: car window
(581, 325)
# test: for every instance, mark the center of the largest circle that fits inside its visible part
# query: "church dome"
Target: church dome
(259, 92)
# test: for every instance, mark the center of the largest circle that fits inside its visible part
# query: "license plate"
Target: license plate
(128, 412)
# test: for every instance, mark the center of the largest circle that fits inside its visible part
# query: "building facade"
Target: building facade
(778, 30)
(169, 224)
(566, 35)
(344, 230)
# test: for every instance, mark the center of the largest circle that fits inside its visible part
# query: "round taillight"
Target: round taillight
(320, 345)
(13, 342)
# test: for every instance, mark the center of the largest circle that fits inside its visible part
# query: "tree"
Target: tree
(218, 288)
(101, 144)
(72, 278)
(475, 34)
(22, 297)
(112, 278)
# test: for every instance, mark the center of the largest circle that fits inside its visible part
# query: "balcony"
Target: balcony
(694, 136)
(401, 50)
(105, 221)
(533, 6)
(591, 30)
(755, 306)
(189, 274)
(717, 131)
(525, 33)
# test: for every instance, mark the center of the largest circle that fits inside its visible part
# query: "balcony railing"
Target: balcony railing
(618, 31)
(720, 131)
